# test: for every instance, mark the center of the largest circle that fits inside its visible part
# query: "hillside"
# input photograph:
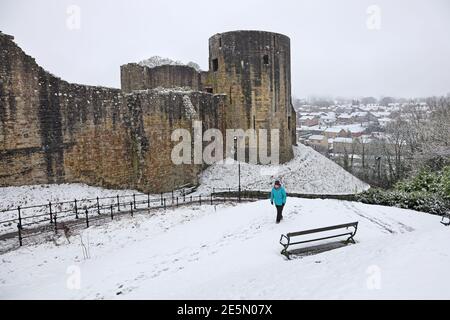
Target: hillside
(308, 172)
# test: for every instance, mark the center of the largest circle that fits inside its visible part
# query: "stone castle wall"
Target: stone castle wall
(52, 131)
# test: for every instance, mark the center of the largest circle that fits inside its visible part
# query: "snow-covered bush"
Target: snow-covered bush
(427, 181)
(417, 200)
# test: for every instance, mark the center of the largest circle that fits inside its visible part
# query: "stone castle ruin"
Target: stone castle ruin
(52, 131)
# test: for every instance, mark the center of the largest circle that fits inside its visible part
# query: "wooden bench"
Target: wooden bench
(289, 241)
(444, 217)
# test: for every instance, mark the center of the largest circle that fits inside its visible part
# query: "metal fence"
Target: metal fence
(33, 220)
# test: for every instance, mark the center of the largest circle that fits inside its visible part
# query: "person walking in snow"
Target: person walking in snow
(278, 196)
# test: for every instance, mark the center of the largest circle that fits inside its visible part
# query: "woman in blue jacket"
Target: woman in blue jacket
(278, 196)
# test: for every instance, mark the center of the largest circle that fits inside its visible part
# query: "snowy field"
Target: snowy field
(308, 172)
(232, 252)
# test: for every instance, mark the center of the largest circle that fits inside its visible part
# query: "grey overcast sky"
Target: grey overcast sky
(341, 48)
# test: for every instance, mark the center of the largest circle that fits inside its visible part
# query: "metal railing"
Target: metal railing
(78, 212)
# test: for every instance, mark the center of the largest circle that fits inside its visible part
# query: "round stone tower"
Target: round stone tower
(254, 69)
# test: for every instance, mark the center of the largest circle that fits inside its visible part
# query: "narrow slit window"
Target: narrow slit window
(266, 59)
(254, 122)
(215, 64)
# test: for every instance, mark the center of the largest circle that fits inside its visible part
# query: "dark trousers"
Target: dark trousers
(279, 212)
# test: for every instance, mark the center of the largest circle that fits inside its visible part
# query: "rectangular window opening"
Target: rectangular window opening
(266, 59)
(215, 64)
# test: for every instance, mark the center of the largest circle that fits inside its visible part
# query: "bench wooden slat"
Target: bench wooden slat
(339, 226)
(290, 235)
(323, 238)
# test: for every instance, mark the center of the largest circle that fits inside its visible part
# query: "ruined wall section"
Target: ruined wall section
(52, 131)
(137, 77)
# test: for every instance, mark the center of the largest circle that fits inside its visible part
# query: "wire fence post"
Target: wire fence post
(184, 196)
(118, 203)
(161, 198)
(19, 230)
(20, 217)
(148, 200)
(87, 218)
(131, 207)
(51, 216)
(211, 198)
(56, 226)
(76, 209)
(200, 199)
(98, 207)
(177, 201)
(112, 216)
(164, 200)
(134, 201)
(172, 196)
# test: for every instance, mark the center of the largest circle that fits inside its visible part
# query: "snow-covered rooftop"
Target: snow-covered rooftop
(316, 137)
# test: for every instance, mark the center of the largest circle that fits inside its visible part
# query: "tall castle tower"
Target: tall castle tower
(253, 68)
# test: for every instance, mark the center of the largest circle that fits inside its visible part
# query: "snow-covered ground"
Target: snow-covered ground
(38, 195)
(232, 252)
(26, 196)
(308, 172)
(12, 197)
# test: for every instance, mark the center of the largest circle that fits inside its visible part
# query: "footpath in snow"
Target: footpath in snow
(232, 252)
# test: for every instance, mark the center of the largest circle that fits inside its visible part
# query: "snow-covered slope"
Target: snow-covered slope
(233, 252)
(35, 195)
(308, 172)
(12, 197)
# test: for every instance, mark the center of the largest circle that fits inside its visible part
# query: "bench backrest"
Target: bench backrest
(339, 226)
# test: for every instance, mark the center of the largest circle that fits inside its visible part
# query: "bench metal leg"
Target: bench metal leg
(350, 239)
(285, 253)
